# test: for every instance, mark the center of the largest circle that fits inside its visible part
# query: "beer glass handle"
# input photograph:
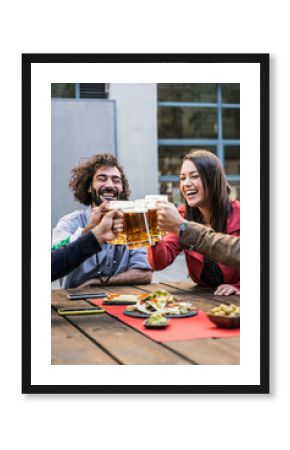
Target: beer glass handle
(151, 241)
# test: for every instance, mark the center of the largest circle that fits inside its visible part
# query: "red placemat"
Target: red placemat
(196, 327)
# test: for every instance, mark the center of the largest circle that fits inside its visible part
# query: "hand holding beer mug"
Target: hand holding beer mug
(157, 201)
(120, 205)
(97, 214)
(140, 227)
(109, 227)
(169, 218)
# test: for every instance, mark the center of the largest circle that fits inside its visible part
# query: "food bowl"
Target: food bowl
(147, 324)
(156, 320)
(225, 321)
(225, 316)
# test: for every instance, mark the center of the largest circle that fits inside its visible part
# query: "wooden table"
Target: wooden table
(103, 339)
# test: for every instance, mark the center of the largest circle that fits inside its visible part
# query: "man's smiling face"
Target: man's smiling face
(106, 185)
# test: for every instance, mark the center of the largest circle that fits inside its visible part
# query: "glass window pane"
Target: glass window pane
(182, 123)
(231, 123)
(185, 92)
(170, 158)
(232, 159)
(63, 90)
(231, 93)
(171, 189)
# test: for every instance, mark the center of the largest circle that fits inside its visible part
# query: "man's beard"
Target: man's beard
(96, 195)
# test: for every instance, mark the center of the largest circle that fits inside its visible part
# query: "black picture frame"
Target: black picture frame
(263, 61)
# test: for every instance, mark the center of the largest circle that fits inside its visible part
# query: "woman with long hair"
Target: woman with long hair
(206, 192)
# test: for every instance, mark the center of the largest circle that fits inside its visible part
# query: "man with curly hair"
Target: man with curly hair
(95, 182)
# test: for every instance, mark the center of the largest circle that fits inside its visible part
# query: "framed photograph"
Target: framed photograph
(98, 128)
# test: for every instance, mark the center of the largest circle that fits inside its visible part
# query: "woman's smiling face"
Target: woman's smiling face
(191, 185)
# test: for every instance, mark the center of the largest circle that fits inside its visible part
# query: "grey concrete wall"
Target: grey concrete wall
(79, 129)
(136, 106)
(126, 125)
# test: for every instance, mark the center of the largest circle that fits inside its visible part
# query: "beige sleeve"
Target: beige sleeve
(217, 246)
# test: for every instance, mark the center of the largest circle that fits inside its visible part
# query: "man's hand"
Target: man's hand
(169, 218)
(131, 276)
(96, 216)
(109, 227)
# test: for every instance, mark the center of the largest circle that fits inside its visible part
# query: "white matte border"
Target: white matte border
(42, 75)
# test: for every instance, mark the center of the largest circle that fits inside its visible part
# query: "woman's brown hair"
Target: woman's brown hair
(82, 176)
(217, 190)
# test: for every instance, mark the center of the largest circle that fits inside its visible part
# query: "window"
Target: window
(231, 123)
(185, 92)
(230, 93)
(197, 116)
(232, 160)
(79, 90)
(63, 90)
(185, 123)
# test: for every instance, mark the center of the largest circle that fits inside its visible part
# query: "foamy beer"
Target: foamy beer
(157, 197)
(121, 239)
(136, 226)
(152, 205)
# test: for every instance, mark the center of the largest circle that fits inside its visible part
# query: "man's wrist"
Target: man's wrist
(101, 240)
(86, 229)
(98, 235)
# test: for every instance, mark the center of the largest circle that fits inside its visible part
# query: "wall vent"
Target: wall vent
(94, 90)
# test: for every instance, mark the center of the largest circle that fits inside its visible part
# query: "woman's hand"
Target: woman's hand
(169, 218)
(226, 289)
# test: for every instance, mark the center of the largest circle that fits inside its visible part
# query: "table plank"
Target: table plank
(183, 285)
(202, 292)
(200, 295)
(174, 287)
(122, 342)
(69, 346)
(208, 351)
(202, 302)
(125, 344)
(233, 342)
(128, 346)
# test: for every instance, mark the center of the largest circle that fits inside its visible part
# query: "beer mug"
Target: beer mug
(151, 206)
(121, 239)
(157, 234)
(136, 226)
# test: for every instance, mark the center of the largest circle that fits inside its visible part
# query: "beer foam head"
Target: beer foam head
(157, 197)
(120, 204)
(147, 203)
(151, 204)
(137, 208)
